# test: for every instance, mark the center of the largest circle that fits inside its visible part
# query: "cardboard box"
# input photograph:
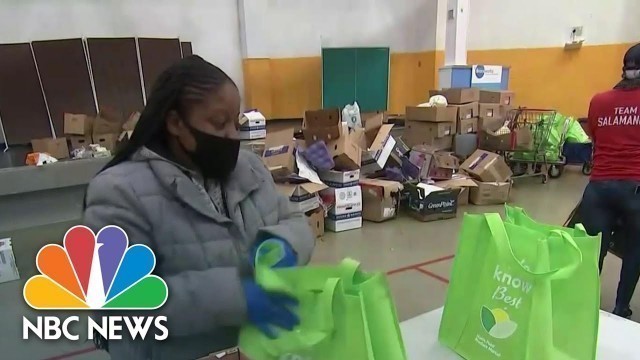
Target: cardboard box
(340, 179)
(458, 95)
(497, 97)
(380, 199)
(316, 221)
(303, 197)
(278, 152)
(432, 114)
(57, 147)
(321, 125)
(467, 111)
(487, 166)
(103, 125)
(131, 122)
(490, 124)
(79, 141)
(489, 111)
(420, 132)
(78, 124)
(8, 267)
(429, 202)
(400, 151)
(338, 223)
(342, 201)
(372, 120)
(491, 141)
(378, 151)
(467, 126)
(253, 125)
(433, 163)
(346, 152)
(428, 130)
(464, 184)
(108, 141)
(490, 193)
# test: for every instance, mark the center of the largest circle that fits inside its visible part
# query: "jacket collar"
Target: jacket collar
(178, 179)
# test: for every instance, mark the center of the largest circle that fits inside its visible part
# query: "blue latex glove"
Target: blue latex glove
(289, 256)
(267, 310)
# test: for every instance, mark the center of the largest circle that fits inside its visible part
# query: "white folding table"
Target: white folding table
(618, 338)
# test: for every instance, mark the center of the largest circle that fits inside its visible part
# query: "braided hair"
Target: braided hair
(186, 82)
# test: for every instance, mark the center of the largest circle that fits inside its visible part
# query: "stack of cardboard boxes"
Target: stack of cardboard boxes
(493, 110)
(433, 126)
(492, 177)
(465, 102)
(322, 170)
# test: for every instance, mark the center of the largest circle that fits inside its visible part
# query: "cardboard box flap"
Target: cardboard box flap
(372, 121)
(321, 125)
(388, 187)
(278, 150)
(456, 183)
(381, 138)
(313, 187)
(425, 189)
(446, 161)
(308, 187)
(253, 115)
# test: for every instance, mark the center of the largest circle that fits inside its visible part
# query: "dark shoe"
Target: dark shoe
(623, 313)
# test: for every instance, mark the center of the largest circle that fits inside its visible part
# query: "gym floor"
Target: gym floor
(416, 256)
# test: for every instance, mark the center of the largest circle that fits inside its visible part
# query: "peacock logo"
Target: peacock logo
(95, 272)
(497, 323)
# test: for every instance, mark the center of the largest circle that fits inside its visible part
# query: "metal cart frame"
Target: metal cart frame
(532, 161)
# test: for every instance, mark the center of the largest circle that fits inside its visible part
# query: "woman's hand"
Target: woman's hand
(288, 258)
(267, 310)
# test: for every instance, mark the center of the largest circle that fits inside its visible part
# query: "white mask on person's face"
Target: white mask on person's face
(632, 74)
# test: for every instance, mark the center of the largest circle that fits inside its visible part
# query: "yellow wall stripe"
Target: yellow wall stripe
(543, 78)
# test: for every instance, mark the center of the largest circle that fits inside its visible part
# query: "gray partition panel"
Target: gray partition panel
(155, 56)
(22, 107)
(65, 79)
(114, 64)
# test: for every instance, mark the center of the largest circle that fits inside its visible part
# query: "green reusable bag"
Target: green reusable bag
(344, 313)
(503, 300)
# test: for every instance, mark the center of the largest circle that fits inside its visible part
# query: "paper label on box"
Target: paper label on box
(389, 212)
(278, 150)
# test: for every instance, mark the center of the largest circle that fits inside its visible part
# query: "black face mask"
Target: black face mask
(215, 156)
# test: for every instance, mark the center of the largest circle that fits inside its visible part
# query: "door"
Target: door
(338, 77)
(372, 78)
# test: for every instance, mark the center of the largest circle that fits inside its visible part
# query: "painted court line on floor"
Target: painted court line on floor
(433, 275)
(415, 266)
(72, 354)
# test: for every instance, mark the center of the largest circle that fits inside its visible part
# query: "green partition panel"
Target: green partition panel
(355, 74)
(372, 78)
(338, 77)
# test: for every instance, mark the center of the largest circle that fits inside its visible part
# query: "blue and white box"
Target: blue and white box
(345, 208)
(253, 125)
(340, 179)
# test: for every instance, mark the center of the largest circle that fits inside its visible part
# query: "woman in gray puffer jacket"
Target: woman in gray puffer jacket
(183, 187)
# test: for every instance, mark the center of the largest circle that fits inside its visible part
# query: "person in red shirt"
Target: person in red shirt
(613, 192)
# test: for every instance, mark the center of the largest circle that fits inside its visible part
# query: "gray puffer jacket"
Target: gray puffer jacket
(200, 252)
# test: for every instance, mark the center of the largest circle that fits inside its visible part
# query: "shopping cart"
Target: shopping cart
(533, 153)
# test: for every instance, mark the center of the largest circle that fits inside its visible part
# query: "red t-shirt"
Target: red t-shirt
(614, 123)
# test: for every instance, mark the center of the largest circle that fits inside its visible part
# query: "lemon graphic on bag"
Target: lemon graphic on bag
(497, 323)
